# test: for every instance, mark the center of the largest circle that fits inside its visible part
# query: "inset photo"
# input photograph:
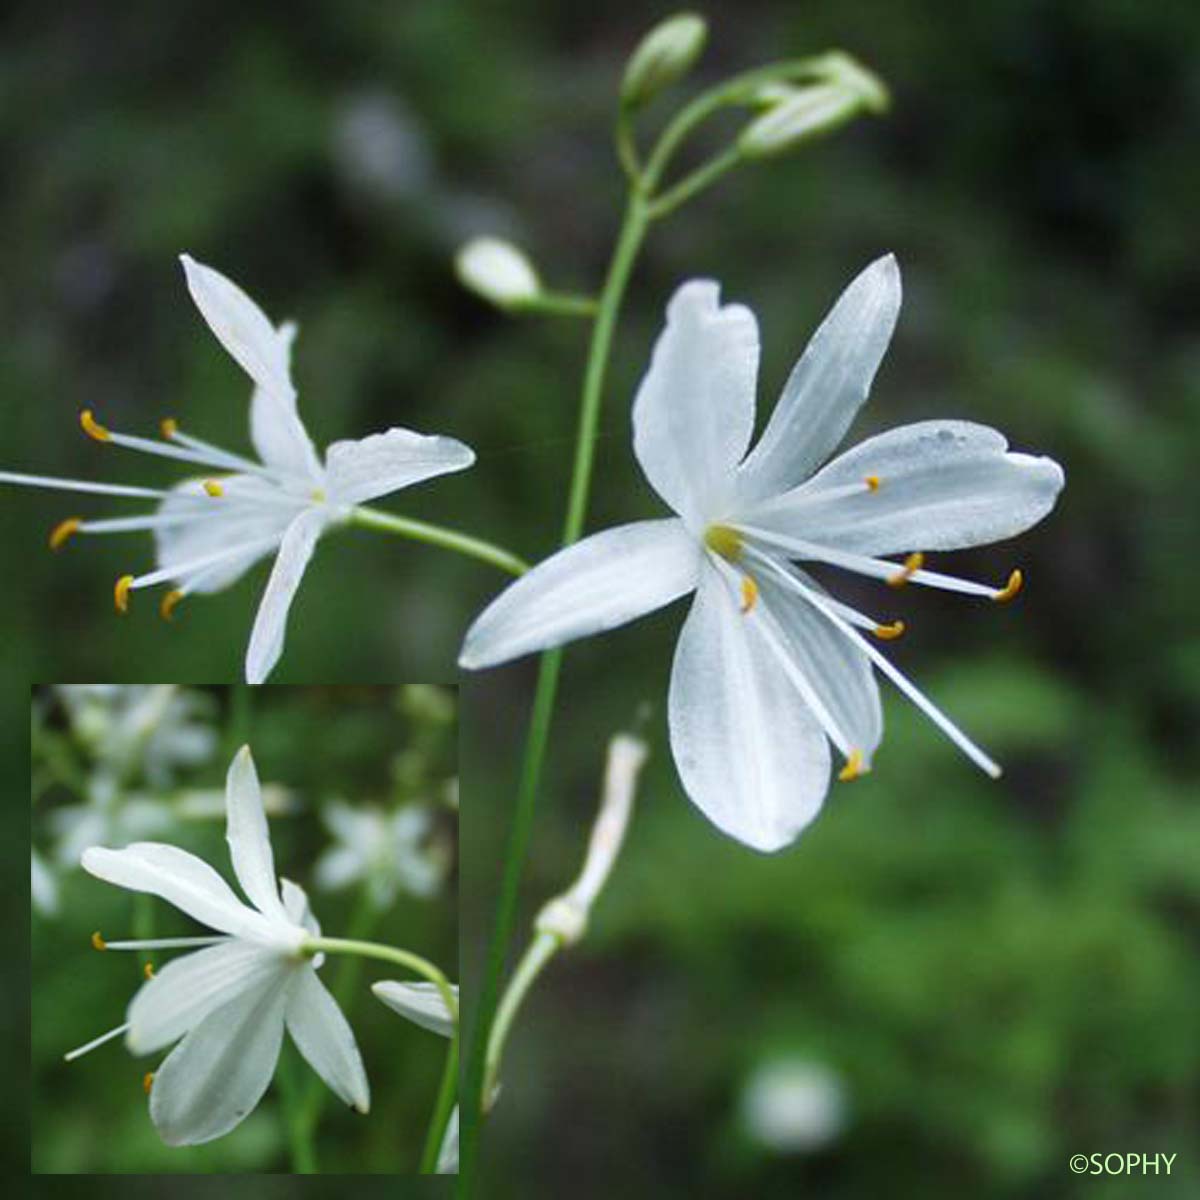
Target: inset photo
(244, 929)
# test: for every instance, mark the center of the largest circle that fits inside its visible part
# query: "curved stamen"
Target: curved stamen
(875, 568)
(121, 593)
(170, 602)
(910, 689)
(1016, 581)
(180, 571)
(855, 767)
(171, 943)
(912, 564)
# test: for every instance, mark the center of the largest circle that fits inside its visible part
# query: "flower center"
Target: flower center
(726, 542)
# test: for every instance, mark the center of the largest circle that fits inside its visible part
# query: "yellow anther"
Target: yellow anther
(166, 609)
(147, 1082)
(98, 943)
(148, 970)
(872, 482)
(889, 633)
(92, 427)
(1016, 581)
(722, 540)
(855, 766)
(912, 564)
(213, 488)
(121, 593)
(63, 530)
(749, 593)
(168, 427)
(318, 495)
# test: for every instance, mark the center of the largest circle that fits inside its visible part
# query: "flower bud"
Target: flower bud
(665, 55)
(497, 271)
(798, 114)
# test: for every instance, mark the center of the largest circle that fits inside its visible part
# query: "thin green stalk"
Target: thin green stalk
(541, 950)
(389, 954)
(559, 304)
(442, 1108)
(633, 232)
(702, 177)
(438, 535)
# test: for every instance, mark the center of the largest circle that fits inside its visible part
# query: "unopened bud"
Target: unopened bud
(795, 115)
(497, 271)
(664, 56)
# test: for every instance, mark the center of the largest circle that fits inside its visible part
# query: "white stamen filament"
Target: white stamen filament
(83, 485)
(209, 456)
(178, 943)
(179, 571)
(791, 502)
(910, 689)
(774, 640)
(224, 458)
(104, 1037)
(876, 568)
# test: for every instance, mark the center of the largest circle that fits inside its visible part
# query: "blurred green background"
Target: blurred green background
(371, 748)
(998, 976)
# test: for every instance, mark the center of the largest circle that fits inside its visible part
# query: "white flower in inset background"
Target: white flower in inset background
(230, 1001)
(210, 531)
(386, 851)
(770, 669)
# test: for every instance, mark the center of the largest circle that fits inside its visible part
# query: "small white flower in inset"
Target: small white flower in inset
(498, 271)
(422, 1003)
(387, 851)
(231, 1001)
(770, 669)
(793, 1106)
(210, 531)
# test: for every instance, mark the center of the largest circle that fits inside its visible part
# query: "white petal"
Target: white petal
(597, 584)
(421, 1003)
(181, 879)
(386, 462)
(836, 668)
(827, 386)
(214, 1078)
(694, 411)
(248, 837)
(295, 904)
(942, 485)
(270, 624)
(220, 523)
(321, 1031)
(187, 989)
(276, 430)
(750, 755)
(240, 326)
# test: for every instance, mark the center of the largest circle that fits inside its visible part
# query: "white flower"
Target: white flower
(770, 669)
(792, 1106)
(210, 531)
(421, 1003)
(230, 1001)
(387, 850)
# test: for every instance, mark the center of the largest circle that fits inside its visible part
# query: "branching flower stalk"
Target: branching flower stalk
(676, 44)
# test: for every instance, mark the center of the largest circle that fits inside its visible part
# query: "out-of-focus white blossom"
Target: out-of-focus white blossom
(793, 1105)
(388, 852)
(43, 887)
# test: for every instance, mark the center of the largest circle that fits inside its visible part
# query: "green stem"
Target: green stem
(388, 954)
(633, 232)
(437, 535)
(541, 950)
(702, 177)
(559, 304)
(442, 1108)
